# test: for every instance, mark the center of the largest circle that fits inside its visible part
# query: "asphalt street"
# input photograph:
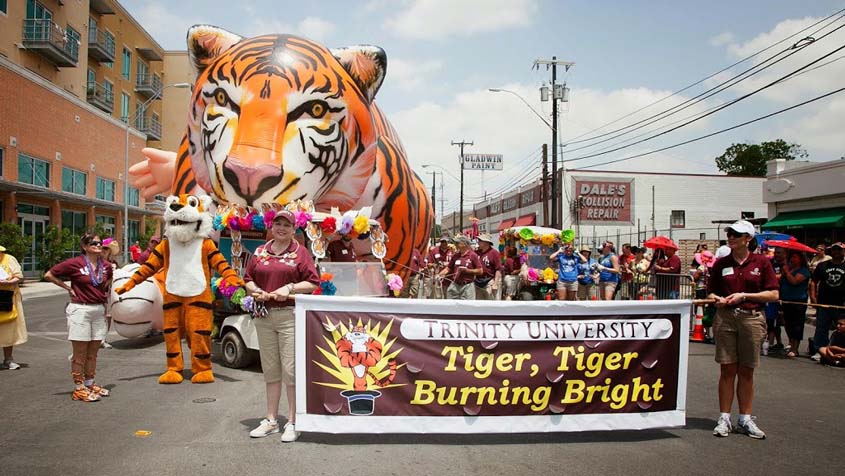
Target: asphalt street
(203, 429)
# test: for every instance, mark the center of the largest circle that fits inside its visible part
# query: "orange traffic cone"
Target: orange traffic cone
(594, 298)
(698, 329)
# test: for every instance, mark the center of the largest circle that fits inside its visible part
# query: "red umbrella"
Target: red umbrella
(660, 242)
(790, 245)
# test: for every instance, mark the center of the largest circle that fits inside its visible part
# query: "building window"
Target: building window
(3, 7)
(678, 219)
(510, 203)
(528, 197)
(134, 197)
(33, 171)
(74, 181)
(126, 63)
(2, 163)
(108, 91)
(35, 10)
(72, 45)
(124, 107)
(76, 222)
(107, 222)
(134, 231)
(143, 70)
(746, 215)
(105, 189)
(702, 236)
(495, 207)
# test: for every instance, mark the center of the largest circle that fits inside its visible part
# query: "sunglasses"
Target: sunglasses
(732, 234)
(95, 243)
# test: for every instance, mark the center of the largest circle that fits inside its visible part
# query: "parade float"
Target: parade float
(534, 245)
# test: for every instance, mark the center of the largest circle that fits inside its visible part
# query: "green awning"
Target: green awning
(827, 218)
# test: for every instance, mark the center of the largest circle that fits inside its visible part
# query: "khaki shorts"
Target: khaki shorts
(86, 322)
(570, 287)
(739, 336)
(606, 287)
(461, 291)
(276, 345)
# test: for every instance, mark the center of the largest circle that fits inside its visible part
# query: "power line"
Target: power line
(699, 81)
(817, 98)
(710, 92)
(721, 107)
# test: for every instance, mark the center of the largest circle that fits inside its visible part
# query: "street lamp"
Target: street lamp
(138, 113)
(499, 90)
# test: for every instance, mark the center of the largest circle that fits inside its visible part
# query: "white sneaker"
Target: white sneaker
(748, 427)
(765, 348)
(10, 365)
(723, 427)
(267, 427)
(105, 345)
(817, 357)
(290, 434)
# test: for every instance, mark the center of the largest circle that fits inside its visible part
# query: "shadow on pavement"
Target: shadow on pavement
(484, 439)
(137, 343)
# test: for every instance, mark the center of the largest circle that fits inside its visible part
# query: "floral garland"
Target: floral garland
(326, 287)
(394, 283)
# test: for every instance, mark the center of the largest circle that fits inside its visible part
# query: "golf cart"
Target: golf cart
(534, 245)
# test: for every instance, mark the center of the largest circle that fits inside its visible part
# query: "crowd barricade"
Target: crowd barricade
(647, 286)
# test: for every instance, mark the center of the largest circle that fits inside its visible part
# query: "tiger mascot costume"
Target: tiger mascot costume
(188, 259)
(277, 118)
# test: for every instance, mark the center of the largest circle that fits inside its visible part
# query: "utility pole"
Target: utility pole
(544, 189)
(434, 204)
(461, 209)
(557, 94)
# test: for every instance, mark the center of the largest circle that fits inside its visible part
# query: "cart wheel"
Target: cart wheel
(235, 353)
(526, 296)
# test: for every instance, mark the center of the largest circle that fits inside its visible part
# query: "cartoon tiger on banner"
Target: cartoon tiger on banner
(277, 118)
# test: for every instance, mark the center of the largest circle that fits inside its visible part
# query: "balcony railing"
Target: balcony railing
(148, 85)
(100, 45)
(150, 126)
(50, 41)
(100, 97)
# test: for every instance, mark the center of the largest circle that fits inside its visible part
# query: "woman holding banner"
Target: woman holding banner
(740, 284)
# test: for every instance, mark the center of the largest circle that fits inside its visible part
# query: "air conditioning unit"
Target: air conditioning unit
(13, 141)
(58, 156)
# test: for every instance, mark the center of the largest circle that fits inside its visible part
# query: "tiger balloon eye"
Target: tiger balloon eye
(318, 110)
(220, 96)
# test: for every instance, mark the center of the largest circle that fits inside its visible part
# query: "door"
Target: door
(33, 227)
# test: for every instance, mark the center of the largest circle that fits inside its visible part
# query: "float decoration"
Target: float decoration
(395, 284)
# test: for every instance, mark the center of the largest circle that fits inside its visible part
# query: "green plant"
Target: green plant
(57, 241)
(151, 228)
(12, 238)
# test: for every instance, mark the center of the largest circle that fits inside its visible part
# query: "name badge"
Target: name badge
(344, 252)
(727, 271)
(457, 262)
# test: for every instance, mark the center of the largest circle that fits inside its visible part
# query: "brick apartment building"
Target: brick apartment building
(82, 87)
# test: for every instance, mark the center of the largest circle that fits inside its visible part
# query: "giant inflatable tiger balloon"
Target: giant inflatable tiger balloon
(277, 118)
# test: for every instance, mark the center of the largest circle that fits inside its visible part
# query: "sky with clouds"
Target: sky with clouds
(444, 55)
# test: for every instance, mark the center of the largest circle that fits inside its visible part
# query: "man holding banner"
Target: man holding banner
(741, 284)
(462, 270)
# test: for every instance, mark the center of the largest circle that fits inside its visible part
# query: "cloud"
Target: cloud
(167, 28)
(411, 75)
(439, 19)
(316, 28)
(500, 123)
(722, 39)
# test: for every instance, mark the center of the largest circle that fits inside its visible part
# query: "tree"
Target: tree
(750, 159)
(11, 237)
(57, 242)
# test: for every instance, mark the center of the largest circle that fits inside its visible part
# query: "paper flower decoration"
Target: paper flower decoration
(346, 223)
(548, 275)
(232, 223)
(269, 215)
(567, 236)
(548, 239)
(217, 222)
(247, 303)
(532, 275)
(257, 222)
(245, 223)
(394, 282)
(326, 277)
(361, 225)
(302, 219)
(329, 225)
(526, 234)
(238, 296)
(327, 288)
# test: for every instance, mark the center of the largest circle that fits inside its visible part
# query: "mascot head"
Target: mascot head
(186, 217)
(137, 310)
(277, 117)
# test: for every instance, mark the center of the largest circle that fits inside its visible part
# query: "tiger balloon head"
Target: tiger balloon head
(277, 118)
(186, 217)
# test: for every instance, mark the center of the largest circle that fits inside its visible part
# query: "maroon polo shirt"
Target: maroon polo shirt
(511, 265)
(491, 261)
(753, 276)
(272, 271)
(76, 271)
(438, 257)
(470, 261)
(339, 252)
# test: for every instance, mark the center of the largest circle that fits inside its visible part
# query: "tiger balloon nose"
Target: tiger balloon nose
(251, 181)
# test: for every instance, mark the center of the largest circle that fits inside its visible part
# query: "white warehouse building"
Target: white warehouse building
(631, 206)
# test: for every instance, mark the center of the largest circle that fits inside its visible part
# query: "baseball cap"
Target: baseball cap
(155, 238)
(285, 215)
(462, 239)
(742, 226)
(838, 244)
(444, 238)
(723, 251)
(485, 237)
(586, 248)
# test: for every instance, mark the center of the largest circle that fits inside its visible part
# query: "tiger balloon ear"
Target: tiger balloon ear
(206, 43)
(366, 64)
